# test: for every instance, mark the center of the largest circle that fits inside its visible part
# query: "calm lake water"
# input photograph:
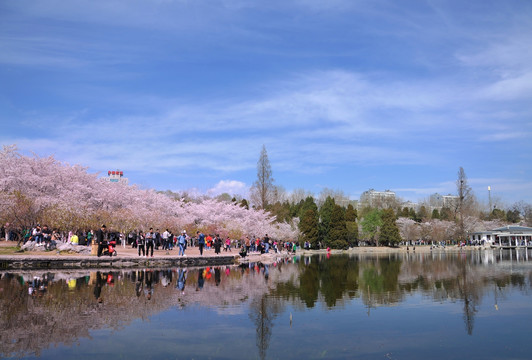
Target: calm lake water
(474, 305)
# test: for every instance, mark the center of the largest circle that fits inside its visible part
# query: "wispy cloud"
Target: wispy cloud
(333, 89)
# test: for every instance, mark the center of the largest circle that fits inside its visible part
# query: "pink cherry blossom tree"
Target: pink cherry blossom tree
(35, 189)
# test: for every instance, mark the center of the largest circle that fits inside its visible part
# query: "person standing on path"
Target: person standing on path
(166, 242)
(201, 241)
(157, 239)
(208, 240)
(227, 244)
(217, 244)
(150, 240)
(247, 243)
(89, 238)
(101, 239)
(182, 241)
(266, 244)
(141, 243)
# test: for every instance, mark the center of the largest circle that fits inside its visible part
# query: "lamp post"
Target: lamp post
(489, 196)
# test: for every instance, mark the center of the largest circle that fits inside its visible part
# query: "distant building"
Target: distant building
(436, 200)
(377, 199)
(410, 205)
(440, 201)
(505, 237)
(450, 201)
(116, 177)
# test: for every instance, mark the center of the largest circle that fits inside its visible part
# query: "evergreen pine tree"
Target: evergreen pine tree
(309, 227)
(307, 204)
(352, 225)
(422, 214)
(389, 233)
(338, 235)
(446, 214)
(351, 213)
(412, 214)
(325, 218)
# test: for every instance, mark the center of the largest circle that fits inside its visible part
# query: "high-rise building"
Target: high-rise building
(377, 199)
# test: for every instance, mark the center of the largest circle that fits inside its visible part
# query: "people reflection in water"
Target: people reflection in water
(139, 285)
(266, 271)
(166, 278)
(217, 278)
(181, 279)
(38, 286)
(98, 287)
(149, 289)
(201, 280)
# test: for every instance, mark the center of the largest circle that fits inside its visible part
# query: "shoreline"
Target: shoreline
(128, 258)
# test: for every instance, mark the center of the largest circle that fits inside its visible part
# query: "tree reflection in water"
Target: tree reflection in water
(67, 306)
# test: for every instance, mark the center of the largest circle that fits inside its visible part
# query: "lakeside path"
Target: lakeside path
(128, 257)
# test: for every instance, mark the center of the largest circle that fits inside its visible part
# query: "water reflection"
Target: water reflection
(38, 310)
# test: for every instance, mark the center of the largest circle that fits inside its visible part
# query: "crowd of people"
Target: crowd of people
(147, 241)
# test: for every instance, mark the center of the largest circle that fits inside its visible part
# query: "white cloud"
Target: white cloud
(231, 187)
(378, 86)
(312, 123)
(516, 87)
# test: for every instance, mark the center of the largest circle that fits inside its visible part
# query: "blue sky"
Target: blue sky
(348, 95)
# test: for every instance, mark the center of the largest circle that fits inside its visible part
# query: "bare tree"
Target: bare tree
(525, 211)
(338, 195)
(278, 194)
(298, 195)
(465, 202)
(263, 188)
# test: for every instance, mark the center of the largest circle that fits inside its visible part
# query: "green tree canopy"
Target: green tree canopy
(351, 213)
(280, 211)
(370, 224)
(308, 203)
(422, 214)
(338, 234)
(309, 227)
(446, 214)
(497, 214)
(412, 214)
(389, 232)
(325, 213)
(351, 225)
(513, 216)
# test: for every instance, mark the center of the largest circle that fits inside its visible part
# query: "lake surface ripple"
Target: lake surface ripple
(474, 305)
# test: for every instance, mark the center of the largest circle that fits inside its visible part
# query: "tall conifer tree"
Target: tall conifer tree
(262, 189)
(351, 224)
(325, 218)
(338, 235)
(309, 227)
(389, 233)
